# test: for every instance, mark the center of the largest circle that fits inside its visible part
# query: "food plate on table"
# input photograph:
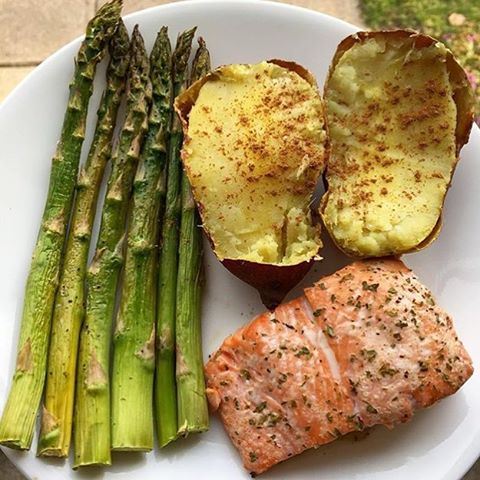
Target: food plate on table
(440, 442)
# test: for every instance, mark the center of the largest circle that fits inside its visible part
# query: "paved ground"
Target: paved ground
(33, 29)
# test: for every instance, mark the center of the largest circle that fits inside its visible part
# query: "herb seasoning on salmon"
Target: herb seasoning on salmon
(366, 346)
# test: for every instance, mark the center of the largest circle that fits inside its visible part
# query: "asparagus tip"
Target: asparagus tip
(162, 50)
(107, 16)
(201, 62)
(137, 43)
(120, 42)
(187, 35)
(182, 53)
(136, 31)
(113, 5)
(138, 54)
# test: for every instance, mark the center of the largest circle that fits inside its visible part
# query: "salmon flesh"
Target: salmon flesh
(365, 346)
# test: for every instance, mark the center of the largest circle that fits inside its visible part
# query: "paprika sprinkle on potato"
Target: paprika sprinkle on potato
(255, 147)
(399, 109)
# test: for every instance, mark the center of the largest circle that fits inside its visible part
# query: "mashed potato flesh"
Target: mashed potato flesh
(254, 152)
(392, 121)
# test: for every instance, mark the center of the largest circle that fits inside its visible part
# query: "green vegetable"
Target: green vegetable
(134, 352)
(69, 309)
(192, 402)
(165, 386)
(92, 410)
(18, 420)
(430, 16)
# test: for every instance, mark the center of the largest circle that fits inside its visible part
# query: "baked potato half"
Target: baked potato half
(399, 109)
(255, 146)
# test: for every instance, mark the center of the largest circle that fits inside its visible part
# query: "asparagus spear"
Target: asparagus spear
(165, 386)
(192, 402)
(92, 411)
(56, 428)
(134, 340)
(18, 420)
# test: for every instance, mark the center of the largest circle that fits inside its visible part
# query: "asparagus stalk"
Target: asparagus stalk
(165, 385)
(192, 402)
(18, 420)
(56, 428)
(134, 339)
(92, 411)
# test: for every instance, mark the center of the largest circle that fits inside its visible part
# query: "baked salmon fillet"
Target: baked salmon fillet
(367, 345)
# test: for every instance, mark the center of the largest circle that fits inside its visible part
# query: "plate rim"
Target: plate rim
(472, 453)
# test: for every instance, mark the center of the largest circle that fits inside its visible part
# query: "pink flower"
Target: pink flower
(472, 78)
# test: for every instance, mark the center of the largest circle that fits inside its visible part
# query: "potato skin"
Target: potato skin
(463, 98)
(272, 281)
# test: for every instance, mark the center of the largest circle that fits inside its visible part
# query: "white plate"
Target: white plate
(440, 443)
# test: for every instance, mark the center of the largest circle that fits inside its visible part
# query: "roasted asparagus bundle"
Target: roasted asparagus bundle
(69, 308)
(92, 411)
(165, 384)
(18, 420)
(134, 341)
